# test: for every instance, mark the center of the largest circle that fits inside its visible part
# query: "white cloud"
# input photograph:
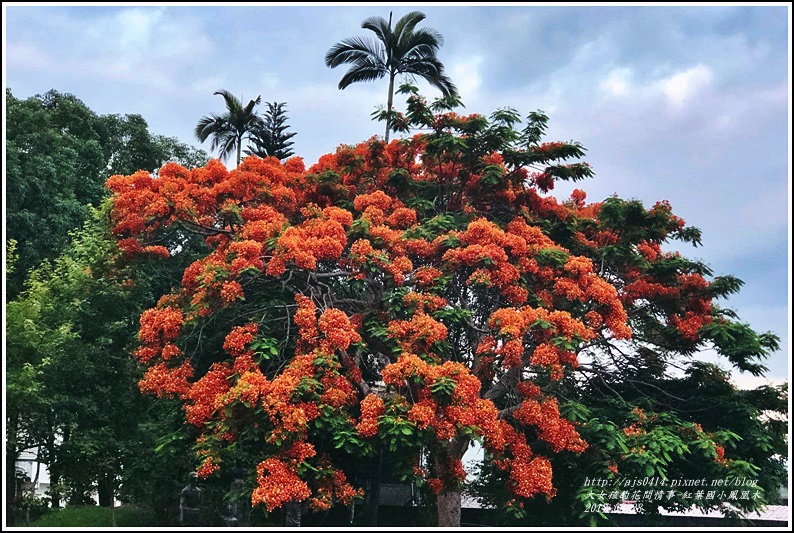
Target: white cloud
(135, 26)
(682, 86)
(618, 82)
(466, 75)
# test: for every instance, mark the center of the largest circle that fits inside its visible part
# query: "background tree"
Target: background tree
(439, 267)
(54, 166)
(72, 393)
(229, 129)
(403, 50)
(59, 154)
(68, 380)
(271, 137)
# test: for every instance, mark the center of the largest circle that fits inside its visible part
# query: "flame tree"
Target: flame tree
(410, 297)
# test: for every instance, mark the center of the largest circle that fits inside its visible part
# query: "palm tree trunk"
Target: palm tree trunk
(389, 104)
(239, 149)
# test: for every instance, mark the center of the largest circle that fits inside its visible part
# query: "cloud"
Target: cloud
(682, 86)
(135, 27)
(140, 46)
(617, 83)
(26, 56)
(466, 76)
(688, 104)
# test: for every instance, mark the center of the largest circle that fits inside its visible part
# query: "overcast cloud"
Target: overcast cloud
(688, 104)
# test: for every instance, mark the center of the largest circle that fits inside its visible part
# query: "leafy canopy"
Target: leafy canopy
(415, 297)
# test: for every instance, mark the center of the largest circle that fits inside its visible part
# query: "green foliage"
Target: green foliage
(71, 383)
(270, 137)
(59, 154)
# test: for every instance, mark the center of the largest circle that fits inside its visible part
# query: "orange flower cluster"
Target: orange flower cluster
(238, 339)
(435, 485)
(542, 326)
(207, 468)
(649, 250)
(372, 407)
(545, 416)
(306, 320)
(315, 239)
(160, 325)
(443, 412)
(528, 475)
(164, 381)
(206, 394)
(364, 257)
(333, 487)
(418, 334)
(690, 324)
(278, 484)
(487, 246)
(720, 459)
(339, 331)
(424, 302)
(426, 276)
(529, 478)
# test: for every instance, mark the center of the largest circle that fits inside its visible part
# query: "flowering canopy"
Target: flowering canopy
(421, 293)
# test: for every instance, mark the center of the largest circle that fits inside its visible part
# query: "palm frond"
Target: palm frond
(253, 103)
(423, 41)
(353, 49)
(405, 26)
(433, 71)
(363, 71)
(406, 50)
(227, 144)
(233, 104)
(209, 125)
(379, 26)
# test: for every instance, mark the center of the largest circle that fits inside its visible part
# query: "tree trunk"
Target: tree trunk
(448, 500)
(53, 466)
(449, 508)
(389, 104)
(376, 491)
(105, 490)
(11, 463)
(239, 149)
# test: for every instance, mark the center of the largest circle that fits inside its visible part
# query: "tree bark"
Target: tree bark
(448, 500)
(449, 508)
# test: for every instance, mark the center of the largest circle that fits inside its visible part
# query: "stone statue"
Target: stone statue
(189, 503)
(237, 509)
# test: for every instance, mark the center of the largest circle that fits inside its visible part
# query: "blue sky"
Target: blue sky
(687, 104)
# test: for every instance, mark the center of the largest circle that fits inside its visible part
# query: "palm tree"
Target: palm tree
(229, 129)
(405, 50)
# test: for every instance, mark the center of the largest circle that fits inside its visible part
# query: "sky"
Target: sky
(689, 104)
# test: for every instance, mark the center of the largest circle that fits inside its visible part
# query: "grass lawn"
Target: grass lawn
(93, 516)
